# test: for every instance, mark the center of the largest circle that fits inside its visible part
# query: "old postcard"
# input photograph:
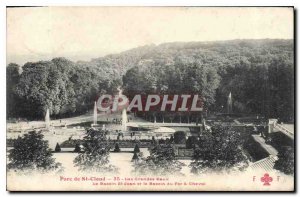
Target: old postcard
(150, 99)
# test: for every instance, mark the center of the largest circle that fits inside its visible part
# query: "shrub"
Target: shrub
(77, 148)
(191, 142)
(135, 157)
(117, 148)
(179, 137)
(136, 148)
(57, 148)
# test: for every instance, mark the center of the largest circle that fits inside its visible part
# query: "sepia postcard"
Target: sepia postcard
(150, 99)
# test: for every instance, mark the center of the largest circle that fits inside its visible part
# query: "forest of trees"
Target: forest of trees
(258, 73)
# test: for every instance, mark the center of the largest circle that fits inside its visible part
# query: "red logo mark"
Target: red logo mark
(266, 179)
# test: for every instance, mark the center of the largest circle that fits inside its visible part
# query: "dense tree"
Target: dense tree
(286, 161)
(95, 153)
(161, 161)
(31, 152)
(12, 80)
(65, 87)
(219, 150)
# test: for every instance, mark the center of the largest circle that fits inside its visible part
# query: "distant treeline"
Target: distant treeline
(258, 73)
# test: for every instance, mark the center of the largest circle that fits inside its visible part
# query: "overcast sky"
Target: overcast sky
(82, 33)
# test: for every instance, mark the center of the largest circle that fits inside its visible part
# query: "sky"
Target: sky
(83, 33)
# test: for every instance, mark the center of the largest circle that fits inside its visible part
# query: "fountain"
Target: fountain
(47, 119)
(124, 120)
(229, 104)
(95, 115)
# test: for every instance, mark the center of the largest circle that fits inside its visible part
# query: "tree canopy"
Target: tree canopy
(161, 161)
(286, 161)
(94, 156)
(31, 152)
(258, 73)
(221, 149)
